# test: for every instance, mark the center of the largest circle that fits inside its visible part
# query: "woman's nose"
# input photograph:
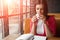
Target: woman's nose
(40, 11)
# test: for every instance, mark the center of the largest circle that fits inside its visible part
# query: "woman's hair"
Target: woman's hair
(44, 3)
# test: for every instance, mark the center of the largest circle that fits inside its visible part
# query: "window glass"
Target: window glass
(1, 8)
(13, 7)
(14, 25)
(24, 6)
(1, 26)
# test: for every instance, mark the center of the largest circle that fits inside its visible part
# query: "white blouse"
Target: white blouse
(40, 27)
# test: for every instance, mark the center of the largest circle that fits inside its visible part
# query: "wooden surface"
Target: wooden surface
(14, 36)
(57, 15)
(54, 38)
(11, 37)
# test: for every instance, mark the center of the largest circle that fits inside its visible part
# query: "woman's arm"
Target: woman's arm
(33, 28)
(33, 25)
(50, 27)
(48, 31)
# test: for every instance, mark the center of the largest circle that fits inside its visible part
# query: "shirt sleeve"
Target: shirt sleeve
(31, 25)
(52, 24)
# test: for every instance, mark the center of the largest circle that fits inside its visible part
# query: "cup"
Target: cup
(37, 16)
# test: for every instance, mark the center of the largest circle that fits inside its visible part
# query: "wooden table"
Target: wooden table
(14, 36)
(54, 38)
(11, 37)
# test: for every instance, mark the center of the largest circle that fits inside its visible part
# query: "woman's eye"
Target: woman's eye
(37, 8)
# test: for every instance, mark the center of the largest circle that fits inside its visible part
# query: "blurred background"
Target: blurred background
(13, 13)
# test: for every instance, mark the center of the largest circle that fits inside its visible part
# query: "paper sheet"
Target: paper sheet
(39, 37)
(25, 37)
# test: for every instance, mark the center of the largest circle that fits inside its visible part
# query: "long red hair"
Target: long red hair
(44, 2)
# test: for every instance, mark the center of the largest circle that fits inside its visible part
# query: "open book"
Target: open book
(39, 37)
(31, 37)
(25, 37)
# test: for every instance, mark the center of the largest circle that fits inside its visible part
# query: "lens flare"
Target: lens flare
(9, 1)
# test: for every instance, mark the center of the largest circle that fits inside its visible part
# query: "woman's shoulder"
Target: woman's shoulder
(51, 17)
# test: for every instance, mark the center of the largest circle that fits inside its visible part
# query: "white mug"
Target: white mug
(37, 15)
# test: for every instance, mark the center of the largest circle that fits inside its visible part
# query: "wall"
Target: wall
(54, 6)
(57, 18)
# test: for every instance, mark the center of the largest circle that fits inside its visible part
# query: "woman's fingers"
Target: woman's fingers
(34, 18)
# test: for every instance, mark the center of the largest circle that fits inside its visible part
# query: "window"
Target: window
(14, 7)
(1, 8)
(12, 10)
(1, 30)
(26, 10)
(1, 21)
(14, 25)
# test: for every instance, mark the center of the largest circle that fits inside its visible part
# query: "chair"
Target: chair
(26, 27)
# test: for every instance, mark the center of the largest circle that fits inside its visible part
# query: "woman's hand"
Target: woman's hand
(43, 18)
(34, 19)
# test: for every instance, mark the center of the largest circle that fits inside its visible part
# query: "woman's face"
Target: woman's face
(39, 9)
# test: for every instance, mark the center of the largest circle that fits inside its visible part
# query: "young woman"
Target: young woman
(41, 24)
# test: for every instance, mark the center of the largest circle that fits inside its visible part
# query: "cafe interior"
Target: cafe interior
(15, 18)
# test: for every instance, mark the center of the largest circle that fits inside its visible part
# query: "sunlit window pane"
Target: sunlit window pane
(24, 6)
(1, 26)
(14, 24)
(28, 2)
(28, 9)
(24, 2)
(1, 8)
(1, 13)
(24, 16)
(28, 5)
(28, 15)
(14, 7)
(24, 9)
